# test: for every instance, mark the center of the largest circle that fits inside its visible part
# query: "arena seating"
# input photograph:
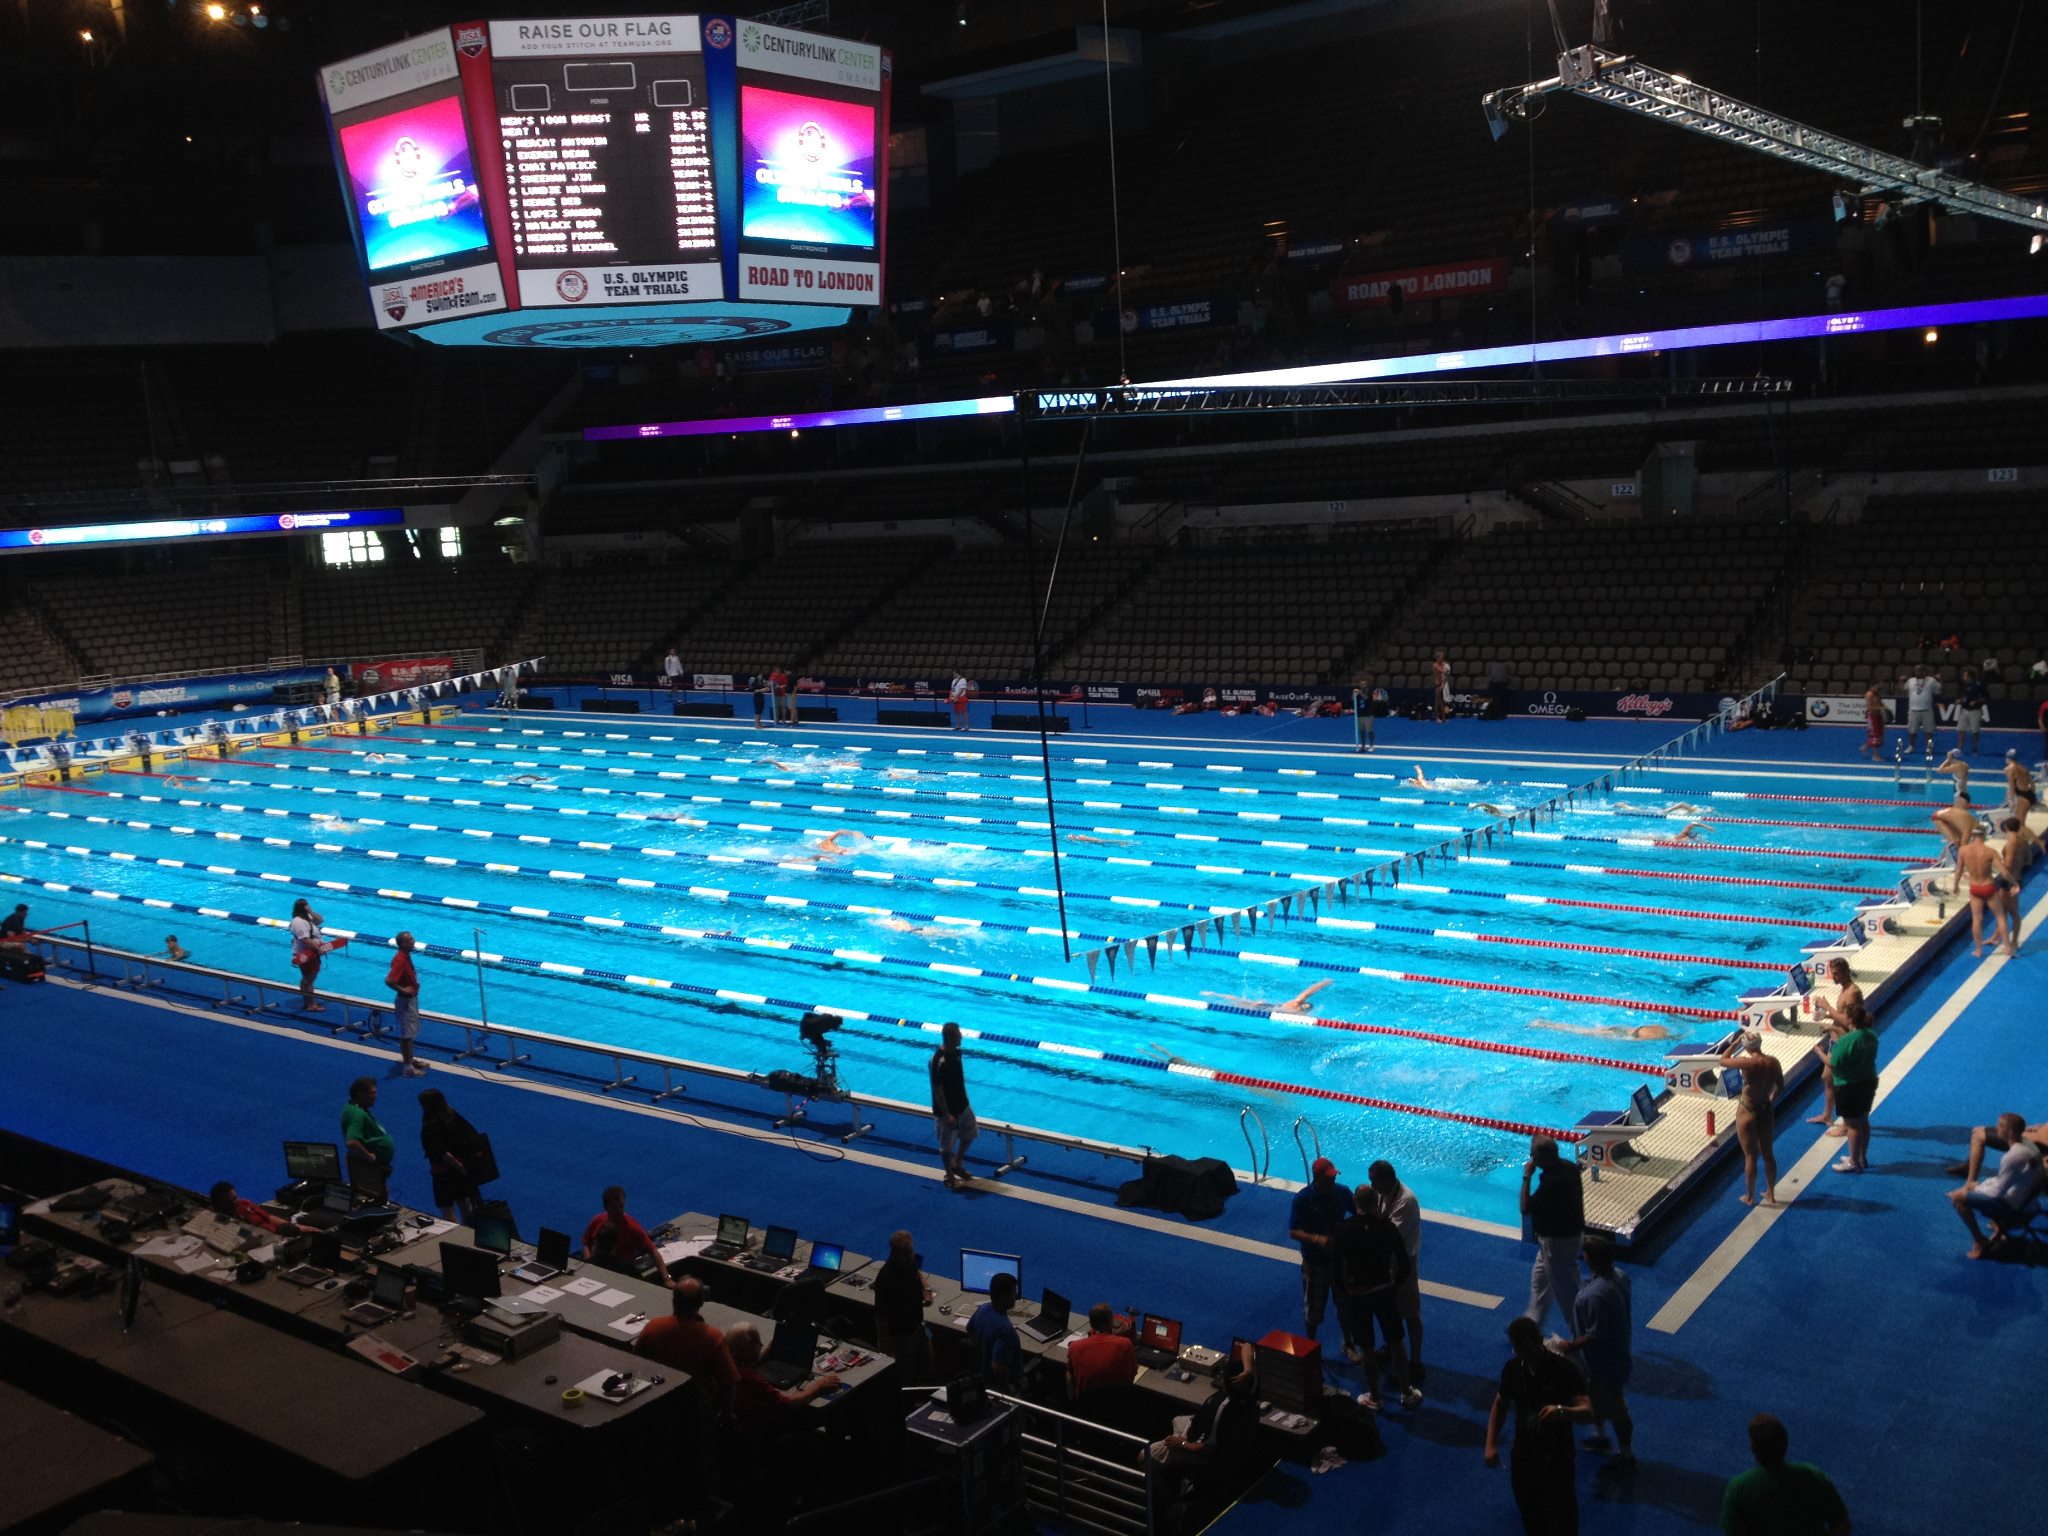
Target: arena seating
(1605, 606)
(27, 659)
(617, 617)
(158, 622)
(426, 608)
(1881, 596)
(972, 613)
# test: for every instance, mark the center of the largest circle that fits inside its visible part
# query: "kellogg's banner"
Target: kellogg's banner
(379, 676)
(1369, 291)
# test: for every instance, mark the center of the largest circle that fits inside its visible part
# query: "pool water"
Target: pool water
(723, 881)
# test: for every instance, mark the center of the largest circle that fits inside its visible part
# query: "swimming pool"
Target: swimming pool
(696, 887)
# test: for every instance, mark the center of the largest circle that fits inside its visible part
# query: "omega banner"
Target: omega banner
(1369, 290)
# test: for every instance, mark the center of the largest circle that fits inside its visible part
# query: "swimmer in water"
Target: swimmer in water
(1606, 1031)
(828, 847)
(1295, 1004)
(923, 931)
(531, 781)
(383, 757)
(1422, 781)
(901, 773)
(329, 823)
(1108, 842)
(1491, 809)
(1695, 829)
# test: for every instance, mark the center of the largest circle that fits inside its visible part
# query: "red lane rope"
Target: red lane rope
(1787, 853)
(1825, 826)
(71, 789)
(1339, 1096)
(1680, 1010)
(1500, 1047)
(1698, 917)
(1783, 885)
(1750, 794)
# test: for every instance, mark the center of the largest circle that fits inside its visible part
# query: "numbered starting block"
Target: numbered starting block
(1760, 1003)
(1853, 938)
(1695, 1067)
(1605, 1134)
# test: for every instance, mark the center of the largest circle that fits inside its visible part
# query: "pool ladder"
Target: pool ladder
(1261, 1151)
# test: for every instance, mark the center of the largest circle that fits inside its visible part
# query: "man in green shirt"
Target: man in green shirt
(369, 1144)
(1777, 1497)
(1852, 1063)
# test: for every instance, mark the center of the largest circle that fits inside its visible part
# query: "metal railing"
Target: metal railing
(505, 1047)
(1085, 1474)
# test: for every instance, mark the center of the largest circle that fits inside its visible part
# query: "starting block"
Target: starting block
(1759, 1003)
(1605, 1134)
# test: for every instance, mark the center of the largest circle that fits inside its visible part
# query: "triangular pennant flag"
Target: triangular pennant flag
(1394, 874)
(1187, 937)
(1131, 951)
(1092, 957)
(1251, 919)
(1152, 948)
(1368, 881)
(1109, 954)
(1236, 925)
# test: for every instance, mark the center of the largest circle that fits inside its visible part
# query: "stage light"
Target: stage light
(2034, 246)
(1931, 337)
(216, 13)
(85, 34)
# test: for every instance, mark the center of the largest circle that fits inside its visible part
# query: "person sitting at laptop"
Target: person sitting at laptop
(688, 1343)
(223, 1201)
(1105, 1358)
(757, 1404)
(614, 1240)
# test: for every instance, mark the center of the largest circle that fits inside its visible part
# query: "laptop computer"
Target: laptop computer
(551, 1258)
(90, 1198)
(334, 1204)
(731, 1241)
(1054, 1313)
(778, 1247)
(1158, 1341)
(790, 1356)
(826, 1261)
(387, 1299)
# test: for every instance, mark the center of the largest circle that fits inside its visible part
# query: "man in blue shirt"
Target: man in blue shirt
(1602, 1319)
(1316, 1213)
(995, 1336)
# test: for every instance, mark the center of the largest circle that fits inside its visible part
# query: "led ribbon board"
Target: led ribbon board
(169, 529)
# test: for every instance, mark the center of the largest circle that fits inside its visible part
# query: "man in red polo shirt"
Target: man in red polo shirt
(688, 1343)
(614, 1240)
(1104, 1358)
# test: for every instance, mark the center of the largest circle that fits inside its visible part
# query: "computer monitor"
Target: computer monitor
(1802, 983)
(471, 1272)
(732, 1231)
(978, 1267)
(1160, 1333)
(1642, 1105)
(494, 1233)
(779, 1243)
(553, 1248)
(317, 1162)
(826, 1255)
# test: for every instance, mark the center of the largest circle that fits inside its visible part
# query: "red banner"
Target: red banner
(382, 676)
(1369, 290)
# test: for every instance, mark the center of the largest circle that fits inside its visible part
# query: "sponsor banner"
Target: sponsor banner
(785, 359)
(1314, 248)
(1591, 212)
(779, 51)
(1086, 282)
(975, 338)
(385, 72)
(809, 280)
(595, 37)
(1369, 290)
(719, 682)
(562, 287)
(195, 693)
(1845, 709)
(380, 676)
(442, 296)
(1182, 316)
(1708, 248)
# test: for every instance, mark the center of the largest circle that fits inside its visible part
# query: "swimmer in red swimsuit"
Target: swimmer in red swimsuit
(1977, 861)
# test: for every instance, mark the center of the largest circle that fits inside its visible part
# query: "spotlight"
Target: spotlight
(1931, 337)
(2034, 246)
(216, 13)
(85, 34)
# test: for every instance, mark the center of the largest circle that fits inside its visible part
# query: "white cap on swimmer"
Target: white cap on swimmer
(1752, 1042)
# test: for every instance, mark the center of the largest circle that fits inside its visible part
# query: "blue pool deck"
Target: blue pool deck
(1900, 1367)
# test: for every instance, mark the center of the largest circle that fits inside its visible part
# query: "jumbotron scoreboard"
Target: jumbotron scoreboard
(613, 180)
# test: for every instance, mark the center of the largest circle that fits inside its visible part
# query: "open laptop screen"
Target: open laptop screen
(827, 1255)
(732, 1231)
(1160, 1333)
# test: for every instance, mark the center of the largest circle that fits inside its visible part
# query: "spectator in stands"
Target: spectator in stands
(685, 1342)
(173, 950)
(1780, 1495)
(994, 1336)
(1600, 1337)
(952, 1115)
(1368, 1263)
(1548, 1395)
(1318, 1210)
(900, 1299)
(404, 983)
(1978, 865)
(1922, 689)
(454, 1151)
(957, 695)
(672, 670)
(1874, 722)
(222, 1200)
(1755, 1114)
(2006, 1198)
(1971, 702)
(757, 1404)
(615, 1241)
(369, 1146)
(1852, 1058)
(1105, 1358)
(1555, 1211)
(1441, 668)
(1399, 1205)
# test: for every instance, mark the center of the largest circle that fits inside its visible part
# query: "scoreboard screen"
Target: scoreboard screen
(605, 130)
(646, 172)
